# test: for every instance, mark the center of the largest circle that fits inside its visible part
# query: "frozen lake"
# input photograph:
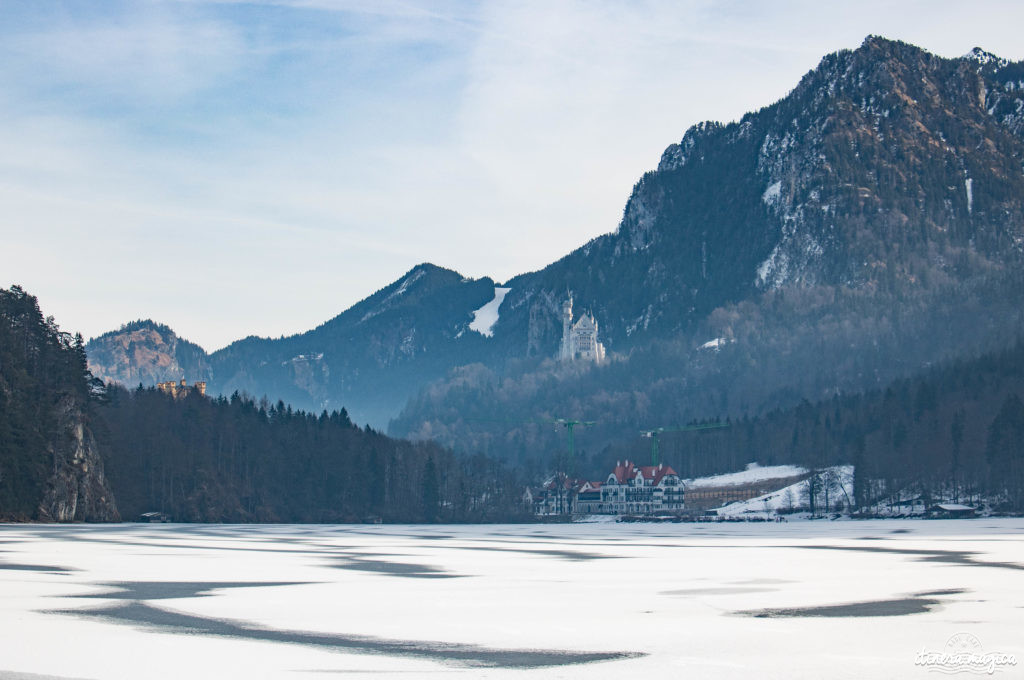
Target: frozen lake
(798, 600)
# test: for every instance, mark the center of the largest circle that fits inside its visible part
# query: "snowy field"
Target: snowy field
(799, 600)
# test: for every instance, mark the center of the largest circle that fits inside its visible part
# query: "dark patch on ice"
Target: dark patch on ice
(572, 555)
(425, 537)
(47, 568)
(915, 603)
(937, 593)
(15, 675)
(900, 607)
(403, 569)
(153, 618)
(963, 557)
(900, 531)
(725, 590)
(171, 590)
(186, 545)
(389, 671)
(763, 581)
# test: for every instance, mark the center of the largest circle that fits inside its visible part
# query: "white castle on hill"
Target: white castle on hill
(579, 340)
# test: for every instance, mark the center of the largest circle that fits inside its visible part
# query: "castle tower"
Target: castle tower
(566, 351)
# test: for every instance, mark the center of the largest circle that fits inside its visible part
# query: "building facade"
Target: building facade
(630, 489)
(180, 389)
(579, 340)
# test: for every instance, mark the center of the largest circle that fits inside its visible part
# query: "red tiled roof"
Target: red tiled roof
(626, 471)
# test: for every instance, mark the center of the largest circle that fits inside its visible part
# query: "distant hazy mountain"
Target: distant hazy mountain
(369, 359)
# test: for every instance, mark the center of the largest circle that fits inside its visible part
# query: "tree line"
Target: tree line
(954, 432)
(217, 460)
(241, 460)
(40, 366)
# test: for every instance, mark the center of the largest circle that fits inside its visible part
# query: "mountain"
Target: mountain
(886, 169)
(69, 444)
(864, 227)
(146, 352)
(369, 359)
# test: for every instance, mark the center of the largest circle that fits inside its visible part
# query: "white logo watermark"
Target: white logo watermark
(963, 653)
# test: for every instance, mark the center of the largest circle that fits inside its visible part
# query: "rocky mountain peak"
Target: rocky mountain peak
(145, 352)
(983, 58)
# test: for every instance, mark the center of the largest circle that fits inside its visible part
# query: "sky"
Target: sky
(255, 168)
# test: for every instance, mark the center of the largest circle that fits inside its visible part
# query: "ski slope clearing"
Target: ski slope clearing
(485, 317)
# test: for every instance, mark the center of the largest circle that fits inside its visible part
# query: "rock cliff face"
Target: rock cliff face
(148, 353)
(77, 490)
(886, 168)
(50, 465)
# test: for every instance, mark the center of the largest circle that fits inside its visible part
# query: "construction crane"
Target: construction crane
(656, 432)
(569, 425)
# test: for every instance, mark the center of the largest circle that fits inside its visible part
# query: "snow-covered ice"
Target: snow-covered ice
(811, 599)
(485, 317)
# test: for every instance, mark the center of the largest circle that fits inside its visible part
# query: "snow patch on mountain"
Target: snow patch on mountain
(984, 58)
(772, 193)
(970, 195)
(791, 260)
(715, 344)
(409, 280)
(485, 317)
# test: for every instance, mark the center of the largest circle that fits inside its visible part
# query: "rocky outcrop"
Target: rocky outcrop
(77, 490)
(148, 353)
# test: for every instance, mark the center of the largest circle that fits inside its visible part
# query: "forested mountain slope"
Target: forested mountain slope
(70, 444)
(864, 227)
(368, 359)
(886, 170)
(954, 432)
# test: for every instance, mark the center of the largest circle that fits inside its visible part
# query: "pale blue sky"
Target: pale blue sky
(237, 168)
